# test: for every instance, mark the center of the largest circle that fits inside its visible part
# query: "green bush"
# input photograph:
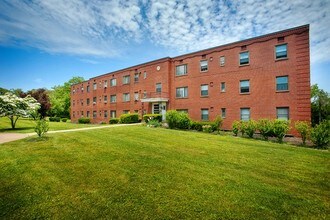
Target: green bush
(320, 134)
(114, 121)
(217, 123)
(64, 119)
(84, 120)
(148, 117)
(243, 127)
(154, 123)
(179, 120)
(41, 127)
(303, 128)
(236, 127)
(280, 129)
(55, 119)
(265, 127)
(250, 128)
(129, 118)
(207, 128)
(198, 125)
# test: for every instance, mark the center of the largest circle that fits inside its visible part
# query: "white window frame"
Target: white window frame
(181, 70)
(245, 114)
(202, 65)
(183, 91)
(113, 82)
(204, 87)
(126, 97)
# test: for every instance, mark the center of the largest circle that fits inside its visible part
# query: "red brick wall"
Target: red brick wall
(262, 70)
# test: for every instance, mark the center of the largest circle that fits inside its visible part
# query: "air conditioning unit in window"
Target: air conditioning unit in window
(105, 86)
(94, 103)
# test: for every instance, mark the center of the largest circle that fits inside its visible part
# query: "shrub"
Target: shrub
(114, 121)
(236, 127)
(265, 127)
(55, 119)
(41, 127)
(250, 128)
(154, 123)
(320, 134)
(129, 118)
(304, 130)
(103, 123)
(179, 120)
(280, 128)
(148, 117)
(64, 119)
(84, 120)
(207, 128)
(217, 123)
(243, 127)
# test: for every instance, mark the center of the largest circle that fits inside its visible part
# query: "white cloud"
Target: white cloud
(107, 28)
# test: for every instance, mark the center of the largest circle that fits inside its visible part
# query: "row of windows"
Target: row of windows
(106, 113)
(281, 52)
(282, 84)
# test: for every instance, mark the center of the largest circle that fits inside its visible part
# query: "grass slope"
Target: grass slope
(24, 125)
(144, 173)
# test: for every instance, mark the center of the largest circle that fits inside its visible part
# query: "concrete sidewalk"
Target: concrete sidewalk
(7, 137)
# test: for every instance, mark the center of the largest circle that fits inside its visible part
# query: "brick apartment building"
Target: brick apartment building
(262, 77)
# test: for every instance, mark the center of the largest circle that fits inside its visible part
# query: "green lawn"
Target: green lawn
(147, 173)
(24, 125)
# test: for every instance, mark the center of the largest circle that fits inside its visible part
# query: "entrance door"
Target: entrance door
(155, 108)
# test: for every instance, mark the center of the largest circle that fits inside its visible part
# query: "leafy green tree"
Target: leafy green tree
(60, 97)
(14, 107)
(320, 105)
(3, 91)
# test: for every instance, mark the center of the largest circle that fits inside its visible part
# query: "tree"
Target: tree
(41, 95)
(320, 105)
(3, 91)
(60, 97)
(14, 107)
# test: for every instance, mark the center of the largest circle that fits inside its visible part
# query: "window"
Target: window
(244, 86)
(222, 61)
(182, 92)
(205, 114)
(126, 97)
(82, 113)
(144, 75)
(136, 77)
(112, 113)
(125, 111)
(245, 114)
(105, 99)
(244, 58)
(204, 65)
(88, 89)
(87, 114)
(282, 113)
(74, 114)
(126, 79)
(87, 101)
(144, 94)
(282, 83)
(182, 110)
(223, 87)
(136, 96)
(94, 86)
(223, 113)
(105, 113)
(105, 83)
(94, 100)
(204, 90)
(82, 102)
(181, 70)
(113, 98)
(94, 114)
(281, 51)
(113, 82)
(158, 87)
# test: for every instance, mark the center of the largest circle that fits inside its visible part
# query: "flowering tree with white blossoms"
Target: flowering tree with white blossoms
(14, 107)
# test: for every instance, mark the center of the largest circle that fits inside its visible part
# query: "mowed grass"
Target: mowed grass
(146, 173)
(25, 125)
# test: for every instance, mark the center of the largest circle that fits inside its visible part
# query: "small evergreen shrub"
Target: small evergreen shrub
(243, 127)
(250, 128)
(236, 127)
(129, 118)
(64, 119)
(148, 117)
(84, 120)
(179, 120)
(55, 119)
(265, 127)
(207, 128)
(154, 123)
(41, 127)
(103, 123)
(280, 129)
(114, 121)
(304, 130)
(320, 134)
(217, 123)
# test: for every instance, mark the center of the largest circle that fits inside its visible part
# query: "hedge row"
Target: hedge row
(149, 117)
(129, 118)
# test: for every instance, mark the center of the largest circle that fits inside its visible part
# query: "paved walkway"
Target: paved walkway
(7, 137)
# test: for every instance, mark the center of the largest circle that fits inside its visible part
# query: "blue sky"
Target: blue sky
(46, 42)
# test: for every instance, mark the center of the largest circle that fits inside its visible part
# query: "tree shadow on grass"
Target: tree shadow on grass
(16, 129)
(38, 139)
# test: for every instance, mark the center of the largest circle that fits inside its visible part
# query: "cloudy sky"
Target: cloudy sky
(45, 42)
